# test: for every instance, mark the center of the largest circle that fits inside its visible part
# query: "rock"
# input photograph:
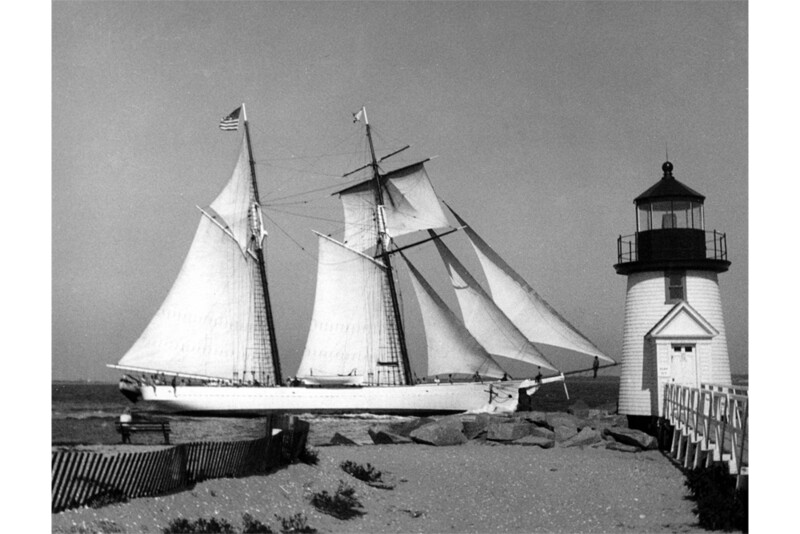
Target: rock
(537, 441)
(475, 426)
(615, 446)
(561, 419)
(440, 433)
(542, 432)
(602, 422)
(339, 439)
(538, 418)
(384, 437)
(579, 409)
(585, 437)
(629, 436)
(406, 427)
(563, 432)
(508, 431)
(609, 408)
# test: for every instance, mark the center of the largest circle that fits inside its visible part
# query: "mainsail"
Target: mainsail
(212, 321)
(410, 205)
(490, 326)
(348, 326)
(451, 348)
(529, 312)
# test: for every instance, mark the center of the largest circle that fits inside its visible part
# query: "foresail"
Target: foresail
(348, 325)
(529, 312)
(490, 326)
(451, 348)
(208, 324)
(410, 205)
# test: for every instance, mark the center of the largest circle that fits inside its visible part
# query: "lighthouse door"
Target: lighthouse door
(683, 365)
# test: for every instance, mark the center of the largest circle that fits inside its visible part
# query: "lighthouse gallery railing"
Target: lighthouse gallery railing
(716, 246)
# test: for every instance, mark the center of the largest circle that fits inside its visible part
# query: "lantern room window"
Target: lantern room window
(669, 214)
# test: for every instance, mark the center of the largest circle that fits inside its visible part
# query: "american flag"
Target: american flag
(231, 122)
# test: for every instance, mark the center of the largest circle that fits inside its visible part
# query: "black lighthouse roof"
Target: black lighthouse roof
(668, 188)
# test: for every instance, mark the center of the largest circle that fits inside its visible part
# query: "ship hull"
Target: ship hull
(399, 400)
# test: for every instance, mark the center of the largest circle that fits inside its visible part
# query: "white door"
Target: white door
(683, 365)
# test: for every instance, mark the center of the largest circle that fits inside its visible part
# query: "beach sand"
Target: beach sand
(475, 487)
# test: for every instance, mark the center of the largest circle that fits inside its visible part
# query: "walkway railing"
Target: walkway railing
(709, 424)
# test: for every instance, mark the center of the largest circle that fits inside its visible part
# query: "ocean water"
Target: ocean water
(85, 414)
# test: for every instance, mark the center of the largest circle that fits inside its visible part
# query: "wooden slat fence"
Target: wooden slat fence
(90, 478)
(709, 425)
(86, 477)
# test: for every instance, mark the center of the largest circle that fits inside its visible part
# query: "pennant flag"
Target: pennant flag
(231, 122)
(357, 116)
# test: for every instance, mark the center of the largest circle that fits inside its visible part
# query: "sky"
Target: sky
(546, 119)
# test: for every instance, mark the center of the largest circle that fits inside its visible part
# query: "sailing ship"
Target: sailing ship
(212, 349)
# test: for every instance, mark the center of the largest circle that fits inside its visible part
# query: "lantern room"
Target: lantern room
(670, 231)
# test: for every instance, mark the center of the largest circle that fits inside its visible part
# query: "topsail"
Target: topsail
(410, 205)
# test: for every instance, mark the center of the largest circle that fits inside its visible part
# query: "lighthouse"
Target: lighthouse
(674, 330)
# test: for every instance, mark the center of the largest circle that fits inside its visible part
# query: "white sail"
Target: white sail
(410, 205)
(524, 306)
(451, 348)
(348, 324)
(490, 326)
(207, 325)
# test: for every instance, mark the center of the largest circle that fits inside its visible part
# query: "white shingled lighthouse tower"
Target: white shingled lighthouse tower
(674, 329)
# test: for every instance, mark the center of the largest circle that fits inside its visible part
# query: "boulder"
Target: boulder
(508, 431)
(608, 408)
(537, 418)
(440, 433)
(384, 437)
(615, 446)
(629, 436)
(607, 421)
(561, 419)
(536, 441)
(405, 428)
(542, 432)
(579, 409)
(339, 439)
(563, 432)
(585, 437)
(474, 427)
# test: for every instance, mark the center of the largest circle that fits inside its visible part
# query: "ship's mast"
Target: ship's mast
(383, 252)
(262, 268)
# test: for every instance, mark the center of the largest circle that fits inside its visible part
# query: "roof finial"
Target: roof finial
(667, 166)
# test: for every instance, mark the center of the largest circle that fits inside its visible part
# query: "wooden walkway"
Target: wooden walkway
(709, 425)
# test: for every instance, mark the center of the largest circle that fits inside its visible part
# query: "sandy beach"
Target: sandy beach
(475, 487)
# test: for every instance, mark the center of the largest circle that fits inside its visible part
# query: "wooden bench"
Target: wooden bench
(126, 429)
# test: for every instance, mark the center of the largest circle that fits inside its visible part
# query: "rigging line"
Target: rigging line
(302, 155)
(299, 171)
(315, 156)
(284, 232)
(306, 216)
(295, 203)
(334, 186)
